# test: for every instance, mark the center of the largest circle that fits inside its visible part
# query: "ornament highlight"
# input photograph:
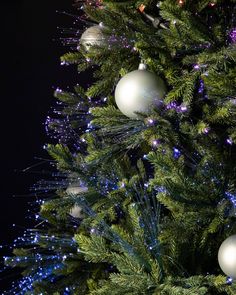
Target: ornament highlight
(93, 36)
(139, 91)
(227, 256)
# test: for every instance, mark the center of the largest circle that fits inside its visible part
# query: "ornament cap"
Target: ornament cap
(142, 66)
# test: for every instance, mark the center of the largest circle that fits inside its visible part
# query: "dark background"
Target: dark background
(31, 71)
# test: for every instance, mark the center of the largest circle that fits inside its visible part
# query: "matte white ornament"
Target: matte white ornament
(139, 91)
(93, 36)
(77, 212)
(227, 256)
(75, 189)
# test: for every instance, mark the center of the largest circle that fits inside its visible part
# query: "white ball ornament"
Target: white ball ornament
(74, 189)
(227, 256)
(93, 36)
(77, 212)
(139, 91)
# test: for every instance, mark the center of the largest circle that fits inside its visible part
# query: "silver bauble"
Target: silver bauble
(93, 36)
(139, 91)
(77, 212)
(227, 256)
(75, 189)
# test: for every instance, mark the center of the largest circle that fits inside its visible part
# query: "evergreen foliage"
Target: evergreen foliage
(161, 189)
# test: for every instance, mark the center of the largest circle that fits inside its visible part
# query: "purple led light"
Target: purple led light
(229, 281)
(172, 105)
(206, 130)
(155, 142)
(150, 121)
(178, 108)
(201, 86)
(232, 35)
(182, 108)
(229, 141)
(232, 198)
(176, 153)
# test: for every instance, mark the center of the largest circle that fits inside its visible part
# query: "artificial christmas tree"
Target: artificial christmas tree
(161, 187)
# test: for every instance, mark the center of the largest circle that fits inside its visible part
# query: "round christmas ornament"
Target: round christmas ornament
(227, 256)
(93, 36)
(139, 91)
(75, 189)
(77, 212)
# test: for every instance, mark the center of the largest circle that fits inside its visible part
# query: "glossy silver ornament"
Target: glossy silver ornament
(93, 36)
(139, 91)
(227, 256)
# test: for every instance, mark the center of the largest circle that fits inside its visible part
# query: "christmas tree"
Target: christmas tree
(144, 188)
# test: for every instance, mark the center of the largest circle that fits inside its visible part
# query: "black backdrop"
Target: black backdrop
(30, 69)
